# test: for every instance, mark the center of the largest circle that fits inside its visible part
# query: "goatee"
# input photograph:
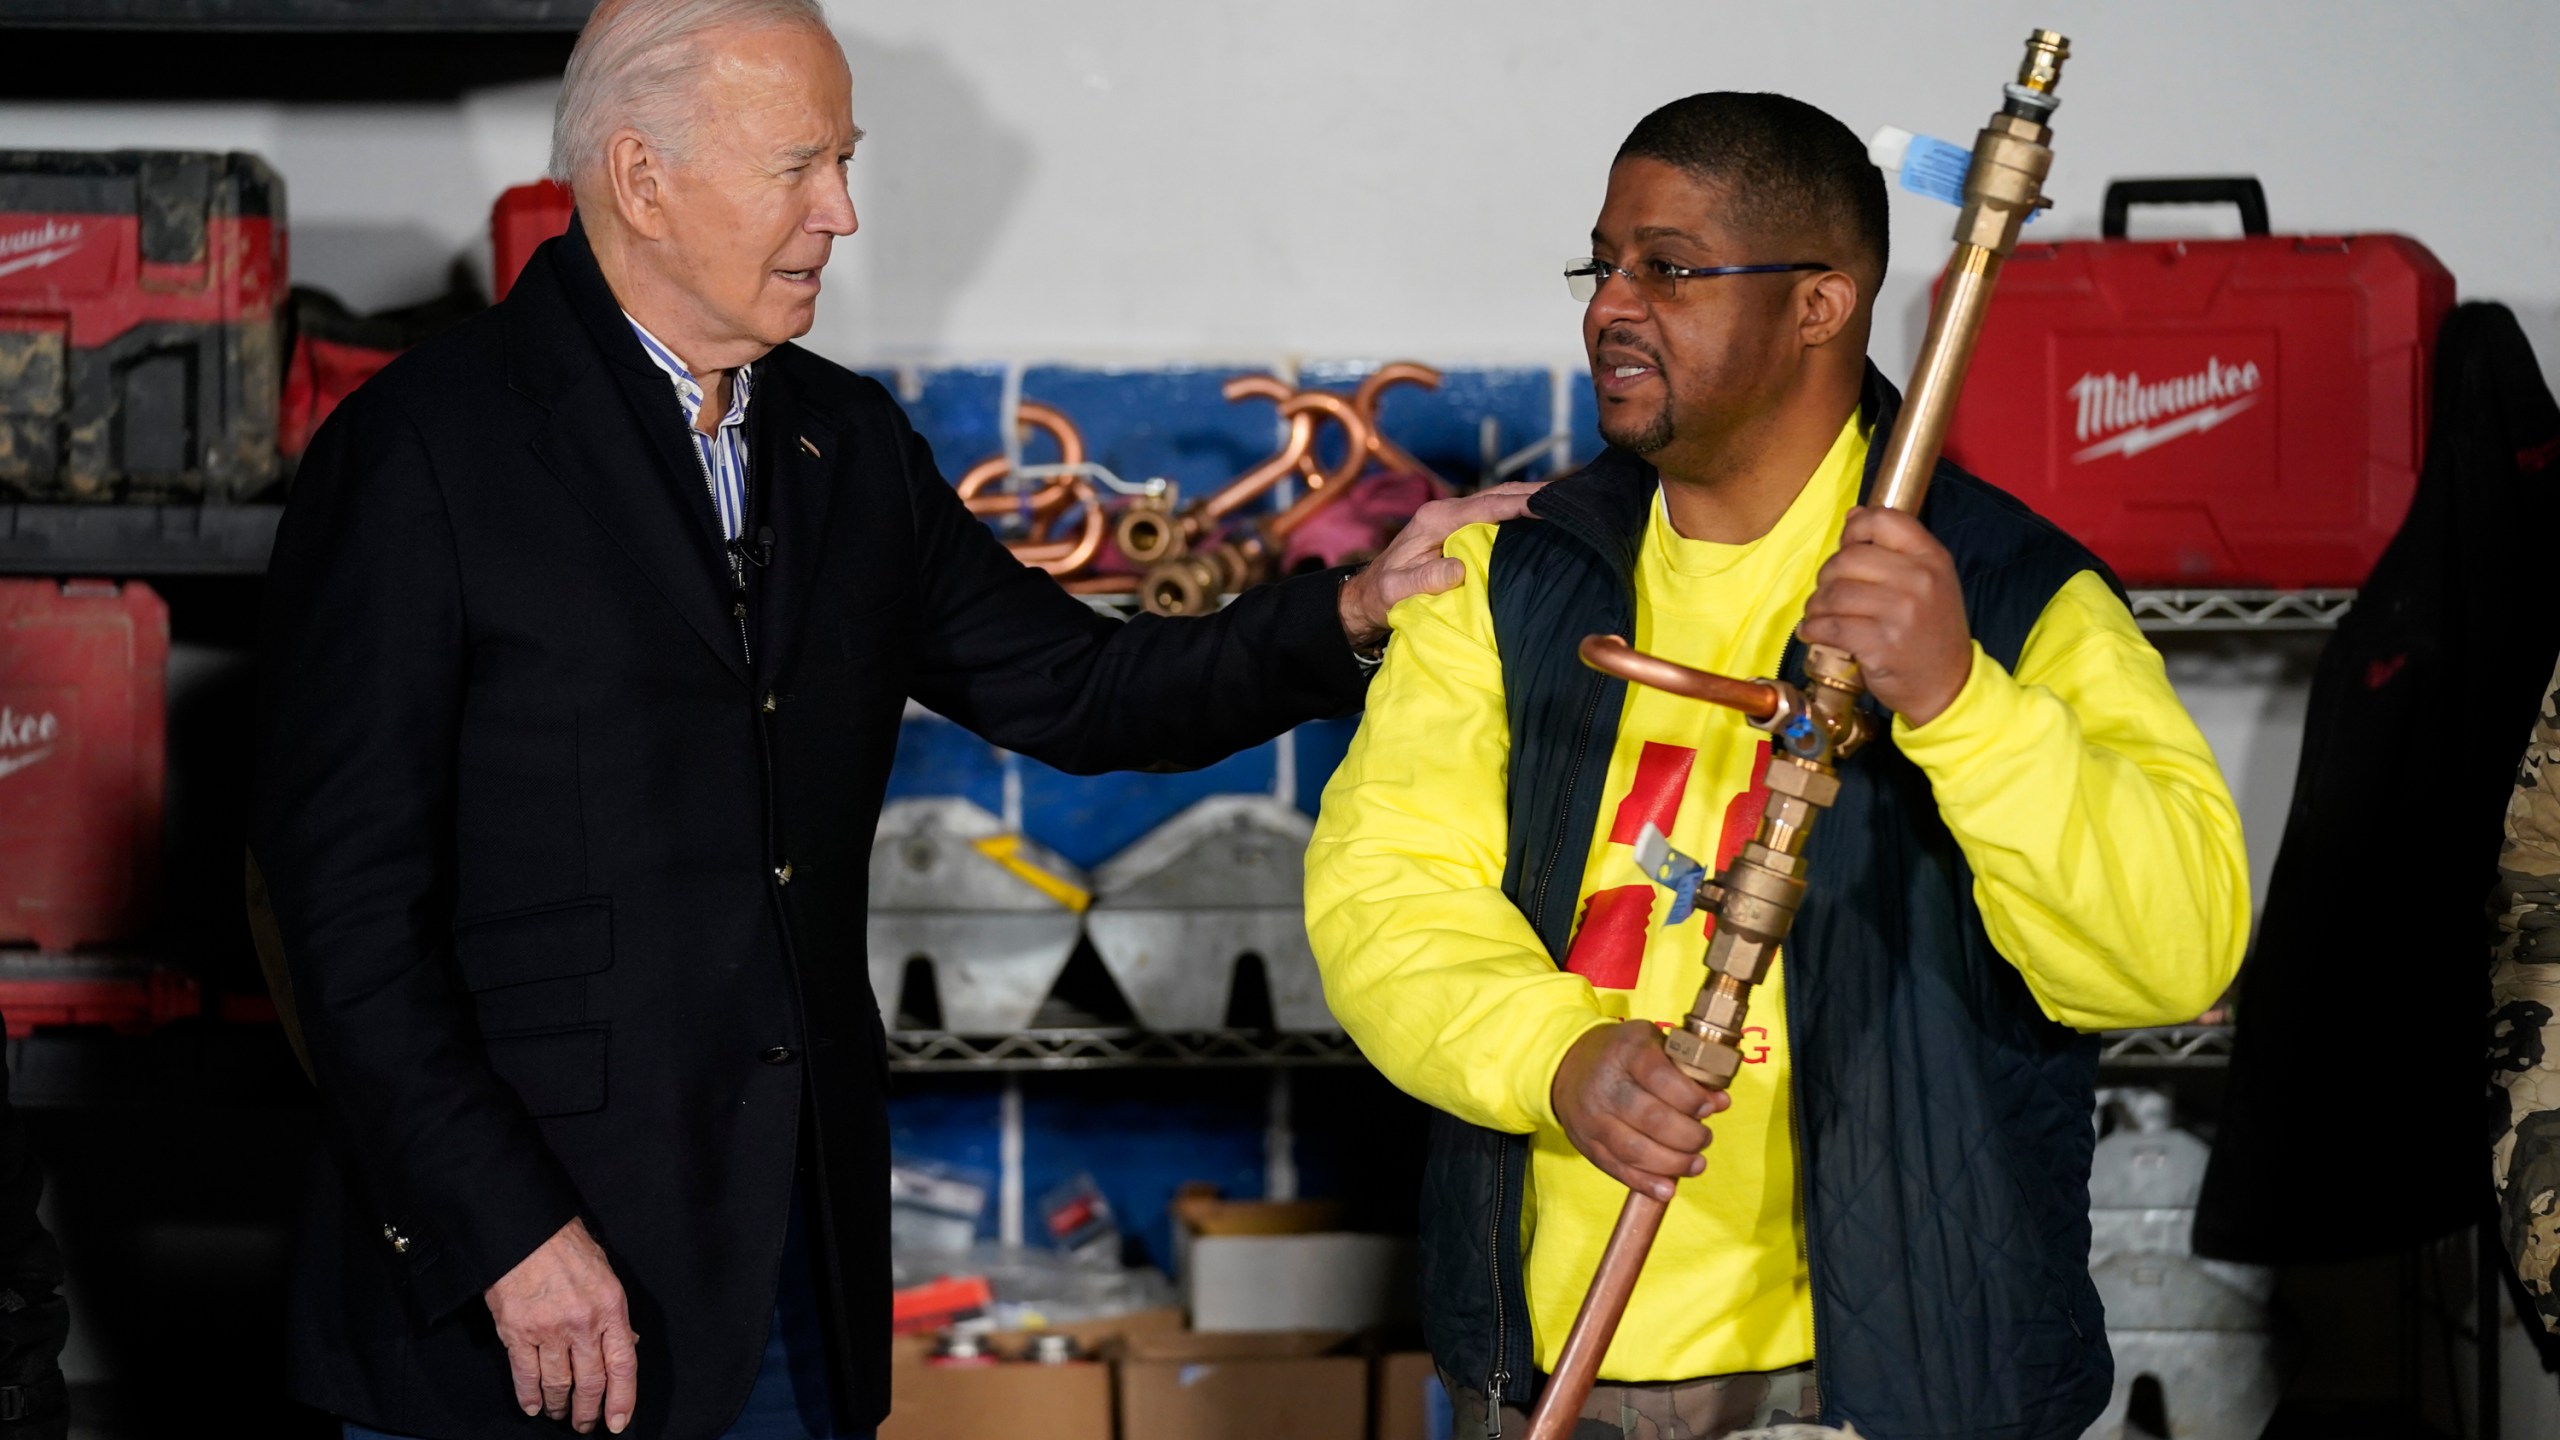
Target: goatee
(1644, 439)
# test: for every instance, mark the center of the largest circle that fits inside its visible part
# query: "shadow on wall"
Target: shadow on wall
(938, 176)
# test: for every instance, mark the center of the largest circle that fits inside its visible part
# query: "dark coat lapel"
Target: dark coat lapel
(615, 439)
(798, 462)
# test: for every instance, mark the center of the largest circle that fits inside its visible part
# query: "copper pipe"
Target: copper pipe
(1391, 455)
(1251, 484)
(1256, 387)
(1611, 655)
(1332, 485)
(1045, 504)
(1587, 1344)
(1065, 557)
(1946, 352)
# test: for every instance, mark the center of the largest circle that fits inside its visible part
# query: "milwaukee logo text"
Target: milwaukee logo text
(2126, 414)
(38, 246)
(25, 739)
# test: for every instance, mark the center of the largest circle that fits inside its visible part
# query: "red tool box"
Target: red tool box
(2246, 412)
(138, 336)
(83, 673)
(524, 217)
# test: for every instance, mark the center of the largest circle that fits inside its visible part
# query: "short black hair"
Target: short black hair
(1786, 168)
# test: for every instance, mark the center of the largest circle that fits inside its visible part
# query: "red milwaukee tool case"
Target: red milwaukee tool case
(524, 217)
(2245, 413)
(83, 668)
(138, 325)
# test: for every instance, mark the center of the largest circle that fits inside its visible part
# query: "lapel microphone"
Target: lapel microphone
(760, 554)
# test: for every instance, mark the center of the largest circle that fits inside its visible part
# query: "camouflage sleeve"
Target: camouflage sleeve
(2524, 996)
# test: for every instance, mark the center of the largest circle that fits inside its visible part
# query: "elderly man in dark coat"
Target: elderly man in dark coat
(590, 628)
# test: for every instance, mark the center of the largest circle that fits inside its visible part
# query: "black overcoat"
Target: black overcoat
(571, 892)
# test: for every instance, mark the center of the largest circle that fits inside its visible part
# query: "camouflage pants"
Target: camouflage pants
(1707, 1409)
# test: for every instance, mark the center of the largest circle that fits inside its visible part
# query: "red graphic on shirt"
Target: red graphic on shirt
(1608, 949)
(1662, 776)
(1608, 946)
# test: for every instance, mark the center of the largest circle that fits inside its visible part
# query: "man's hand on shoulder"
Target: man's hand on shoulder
(1890, 598)
(1412, 563)
(1630, 1111)
(567, 1328)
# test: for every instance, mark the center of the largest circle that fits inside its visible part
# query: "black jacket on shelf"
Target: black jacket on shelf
(572, 895)
(2356, 1119)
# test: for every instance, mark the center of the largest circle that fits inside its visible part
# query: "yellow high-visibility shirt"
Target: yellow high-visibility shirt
(2106, 851)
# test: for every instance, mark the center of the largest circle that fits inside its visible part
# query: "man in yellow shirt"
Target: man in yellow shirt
(1894, 1232)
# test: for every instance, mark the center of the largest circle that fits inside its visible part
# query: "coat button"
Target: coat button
(782, 874)
(398, 1242)
(772, 702)
(779, 1055)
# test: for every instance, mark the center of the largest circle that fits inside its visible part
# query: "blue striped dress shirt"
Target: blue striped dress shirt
(723, 452)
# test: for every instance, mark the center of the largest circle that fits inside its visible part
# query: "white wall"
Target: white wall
(1147, 180)
(1155, 178)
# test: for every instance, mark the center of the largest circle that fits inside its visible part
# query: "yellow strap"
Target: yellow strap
(1007, 851)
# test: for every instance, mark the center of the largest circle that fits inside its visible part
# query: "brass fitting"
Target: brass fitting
(1150, 529)
(1190, 584)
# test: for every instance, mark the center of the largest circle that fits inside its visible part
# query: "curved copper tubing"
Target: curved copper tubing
(1611, 655)
(1256, 387)
(1043, 504)
(1065, 557)
(1587, 1343)
(1365, 400)
(1246, 487)
(1335, 483)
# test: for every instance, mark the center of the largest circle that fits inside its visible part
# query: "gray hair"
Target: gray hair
(638, 64)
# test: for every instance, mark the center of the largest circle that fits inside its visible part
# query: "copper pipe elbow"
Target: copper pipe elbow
(1043, 505)
(1611, 655)
(1355, 428)
(1366, 398)
(1249, 486)
(1066, 557)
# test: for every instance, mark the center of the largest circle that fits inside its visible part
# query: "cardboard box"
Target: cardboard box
(1000, 1402)
(1409, 1403)
(1215, 1387)
(1336, 1281)
(1013, 1401)
(1101, 1338)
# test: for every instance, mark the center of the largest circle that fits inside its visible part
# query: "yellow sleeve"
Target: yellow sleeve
(1433, 971)
(2105, 848)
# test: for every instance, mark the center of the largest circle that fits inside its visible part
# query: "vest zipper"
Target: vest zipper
(1501, 1378)
(1804, 1233)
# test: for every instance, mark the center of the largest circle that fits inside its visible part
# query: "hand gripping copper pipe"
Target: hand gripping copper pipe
(1754, 900)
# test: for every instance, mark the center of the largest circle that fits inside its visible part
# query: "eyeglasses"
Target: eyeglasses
(1659, 280)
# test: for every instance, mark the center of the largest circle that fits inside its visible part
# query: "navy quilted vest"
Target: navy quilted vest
(1944, 1123)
